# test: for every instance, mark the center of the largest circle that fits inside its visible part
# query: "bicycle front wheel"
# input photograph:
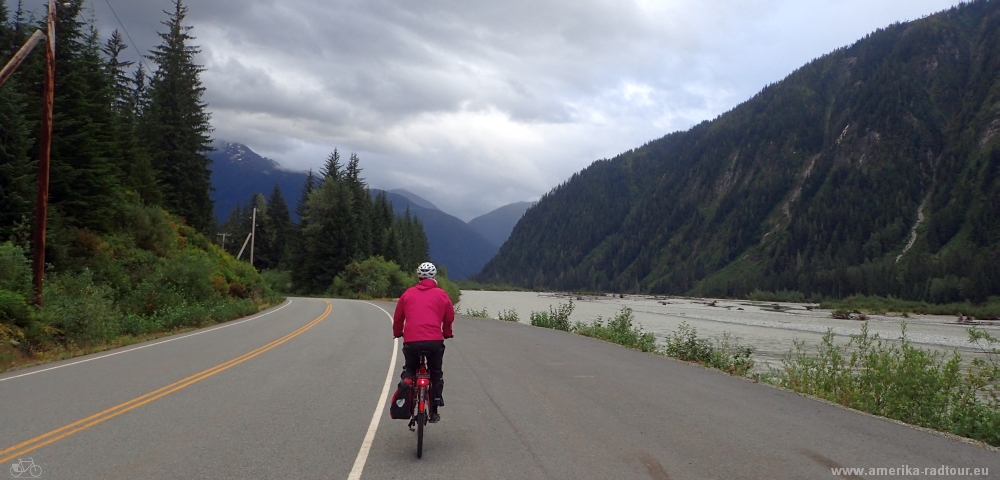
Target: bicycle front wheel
(421, 421)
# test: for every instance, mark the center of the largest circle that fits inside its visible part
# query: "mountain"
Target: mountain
(497, 225)
(453, 243)
(874, 169)
(414, 199)
(238, 173)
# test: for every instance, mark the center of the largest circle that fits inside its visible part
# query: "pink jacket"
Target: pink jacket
(426, 311)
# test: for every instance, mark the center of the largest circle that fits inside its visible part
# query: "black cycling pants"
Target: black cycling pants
(435, 357)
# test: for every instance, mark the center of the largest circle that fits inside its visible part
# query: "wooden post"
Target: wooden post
(19, 57)
(44, 154)
(244, 247)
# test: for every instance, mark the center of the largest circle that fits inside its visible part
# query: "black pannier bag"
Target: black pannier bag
(401, 407)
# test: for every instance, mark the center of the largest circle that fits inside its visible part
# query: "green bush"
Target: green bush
(903, 382)
(726, 354)
(277, 280)
(14, 309)
(508, 316)
(372, 278)
(477, 313)
(454, 293)
(619, 330)
(151, 228)
(556, 318)
(15, 270)
(83, 312)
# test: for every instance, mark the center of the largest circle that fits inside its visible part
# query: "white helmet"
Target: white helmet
(426, 270)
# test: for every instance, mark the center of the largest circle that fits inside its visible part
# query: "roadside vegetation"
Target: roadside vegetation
(886, 377)
(153, 276)
(897, 380)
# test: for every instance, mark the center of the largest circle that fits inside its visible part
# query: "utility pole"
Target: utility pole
(21, 54)
(223, 235)
(253, 233)
(44, 154)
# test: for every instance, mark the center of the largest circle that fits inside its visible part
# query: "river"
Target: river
(771, 331)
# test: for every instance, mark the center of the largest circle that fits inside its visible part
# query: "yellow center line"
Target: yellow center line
(84, 423)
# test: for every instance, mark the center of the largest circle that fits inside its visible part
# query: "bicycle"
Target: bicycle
(420, 406)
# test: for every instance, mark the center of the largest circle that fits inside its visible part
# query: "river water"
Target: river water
(772, 331)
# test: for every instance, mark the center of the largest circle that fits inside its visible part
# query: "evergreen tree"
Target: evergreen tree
(178, 124)
(128, 100)
(361, 225)
(331, 169)
(17, 170)
(299, 247)
(279, 226)
(84, 180)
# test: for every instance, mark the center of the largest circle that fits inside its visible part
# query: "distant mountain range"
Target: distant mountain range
(497, 225)
(453, 243)
(872, 170)
(238, 173)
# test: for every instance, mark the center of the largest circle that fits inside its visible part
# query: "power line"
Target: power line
(142, 58)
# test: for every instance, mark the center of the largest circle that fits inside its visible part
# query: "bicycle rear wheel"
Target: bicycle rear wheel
(421, 421)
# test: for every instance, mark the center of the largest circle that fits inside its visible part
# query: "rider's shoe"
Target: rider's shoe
(435, 417)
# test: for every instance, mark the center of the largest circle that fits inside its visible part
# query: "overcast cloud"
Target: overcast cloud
(473, 105)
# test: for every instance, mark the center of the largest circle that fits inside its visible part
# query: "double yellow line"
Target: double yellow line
(85, 423)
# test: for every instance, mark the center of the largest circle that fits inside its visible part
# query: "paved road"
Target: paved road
(292, 394)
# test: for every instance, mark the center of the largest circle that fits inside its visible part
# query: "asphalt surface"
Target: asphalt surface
(521, 402)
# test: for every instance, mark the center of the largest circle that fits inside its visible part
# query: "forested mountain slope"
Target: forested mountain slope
(453, 243)
(496, 226)
(820, 183)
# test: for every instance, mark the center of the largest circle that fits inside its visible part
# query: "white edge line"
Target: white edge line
(366, 445)
(228, 324)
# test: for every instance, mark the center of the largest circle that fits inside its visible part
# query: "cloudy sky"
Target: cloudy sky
(476, 104)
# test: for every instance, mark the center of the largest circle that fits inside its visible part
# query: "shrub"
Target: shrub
(903, 382)
(151, 228)
(277, 280)
(15, 270)
(556, 318)
(726, 354)
(373, 278)
(619, 330)
(82, 311)
(508, 316)
(477, 313)
(14, 309)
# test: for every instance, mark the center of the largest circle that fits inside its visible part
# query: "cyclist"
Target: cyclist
(423, 318)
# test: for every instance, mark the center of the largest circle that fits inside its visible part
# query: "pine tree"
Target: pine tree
(331, 169)
(17, 170)
(85, 180)
(298, 245)
(178, 124)
(361, 228)
(278, 227)
(136, 168)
